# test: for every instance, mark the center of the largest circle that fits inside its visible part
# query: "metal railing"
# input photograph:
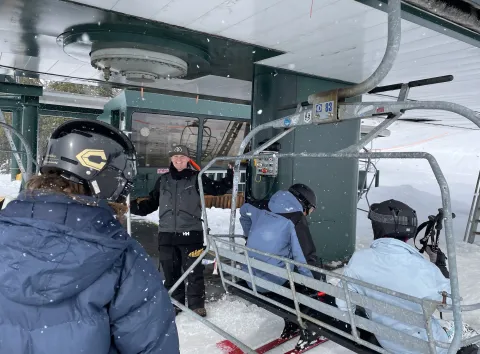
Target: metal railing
(427, 307)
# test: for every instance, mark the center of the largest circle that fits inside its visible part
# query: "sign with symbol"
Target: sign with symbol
(287, 122)
(307, 117)
(324, 110)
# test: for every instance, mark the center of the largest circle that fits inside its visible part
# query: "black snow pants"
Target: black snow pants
(176, 259)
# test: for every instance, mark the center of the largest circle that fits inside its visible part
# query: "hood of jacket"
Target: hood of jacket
(53, 246)
(284, 202)
(392, 245)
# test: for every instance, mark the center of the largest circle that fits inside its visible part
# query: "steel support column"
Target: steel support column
(17, 124)
(30, 129)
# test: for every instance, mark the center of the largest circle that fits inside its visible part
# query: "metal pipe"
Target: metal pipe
(372, 134)
(271, 141)
(393, 46)
(219, 266)
(402, 96)
(202, 201)
(353, 110)
(129, 217)
(217, 329)
(428, 321)
(294, 294)
(250, 272)
(350, 309)
(473, 208)
(28, 172)
(445, 106)
(464, 308)
(451, 254)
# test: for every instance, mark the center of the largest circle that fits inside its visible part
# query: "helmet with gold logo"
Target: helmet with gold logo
(94, 154)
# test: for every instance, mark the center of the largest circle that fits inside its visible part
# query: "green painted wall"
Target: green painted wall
(334, 181)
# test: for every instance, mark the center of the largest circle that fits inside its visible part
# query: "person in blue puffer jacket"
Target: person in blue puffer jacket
(71, 278)
(273, 231)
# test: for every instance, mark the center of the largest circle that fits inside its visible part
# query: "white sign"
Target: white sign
(307, 117)
(324, 110)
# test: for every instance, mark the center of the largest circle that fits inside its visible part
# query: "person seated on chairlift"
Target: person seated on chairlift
(392, 263)
(308, 200)
(275, 231)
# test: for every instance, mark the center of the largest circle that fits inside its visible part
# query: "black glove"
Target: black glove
(439, 259)
(432, 254)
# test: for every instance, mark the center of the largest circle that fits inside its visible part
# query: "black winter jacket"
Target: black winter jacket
(180, 212)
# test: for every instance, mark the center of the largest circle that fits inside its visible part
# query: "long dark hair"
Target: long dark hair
(53, 182)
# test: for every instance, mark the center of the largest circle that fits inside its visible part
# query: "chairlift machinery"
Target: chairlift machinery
(330, 107)
(209, 142)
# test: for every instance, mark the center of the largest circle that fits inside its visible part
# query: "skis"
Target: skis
(228, 347)
(315, 344)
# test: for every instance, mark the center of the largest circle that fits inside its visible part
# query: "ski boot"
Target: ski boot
(201, 312)
(449, 327)
(290, 330)
(468, 332)
(307, 339)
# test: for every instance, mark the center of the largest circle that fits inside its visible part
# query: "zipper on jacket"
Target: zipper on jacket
(174, 195)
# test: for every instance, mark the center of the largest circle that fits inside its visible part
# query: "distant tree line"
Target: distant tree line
(47, 124)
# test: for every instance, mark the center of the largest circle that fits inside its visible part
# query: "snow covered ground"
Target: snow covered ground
(8, 188)
(410, 181)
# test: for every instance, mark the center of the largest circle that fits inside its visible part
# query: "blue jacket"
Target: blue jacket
(73, 281)
(395, 265)
(268, 232)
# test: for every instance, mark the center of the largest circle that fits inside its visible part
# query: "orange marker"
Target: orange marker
(195, 165)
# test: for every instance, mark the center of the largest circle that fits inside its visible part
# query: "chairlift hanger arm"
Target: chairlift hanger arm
(393, 87)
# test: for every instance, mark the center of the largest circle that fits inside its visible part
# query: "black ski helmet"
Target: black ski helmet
(392, 218)
(305, 195)
(94, 154)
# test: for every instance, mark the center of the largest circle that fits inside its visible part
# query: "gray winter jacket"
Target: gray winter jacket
(177, 199)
